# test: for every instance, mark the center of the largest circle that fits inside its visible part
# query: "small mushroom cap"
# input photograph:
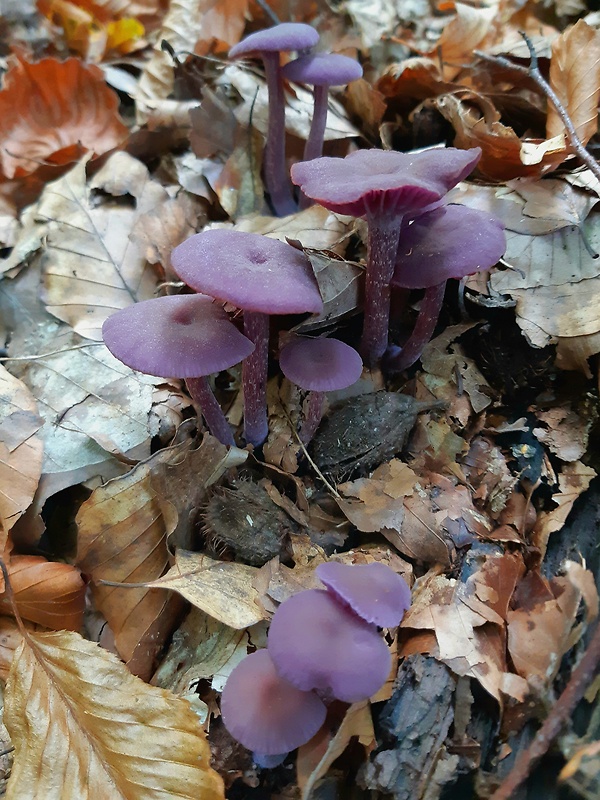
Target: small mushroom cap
(383, 182)
(448, 242)
(315, 643)
(323, 69)
(285, 37)
(251, 271)
(266, 713)
(373, 591)
(320, 365)
(183, 336)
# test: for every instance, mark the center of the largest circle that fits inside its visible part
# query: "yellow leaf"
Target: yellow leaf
(122, 34)
(84, 727)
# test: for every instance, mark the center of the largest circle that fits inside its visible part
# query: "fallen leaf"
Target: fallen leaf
(463, 34)
(91, 267)
(10, 641)
(76, 731)
(21, 450)
(564, 432)
(47, 592)
(576, 80)
(223, 589)
(54, 111)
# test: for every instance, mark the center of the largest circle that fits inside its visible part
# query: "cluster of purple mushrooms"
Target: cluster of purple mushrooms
(323, 645)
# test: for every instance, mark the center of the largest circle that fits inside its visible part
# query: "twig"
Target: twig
(52, 353)
(562, 710)
(534, 73)
(268, 11)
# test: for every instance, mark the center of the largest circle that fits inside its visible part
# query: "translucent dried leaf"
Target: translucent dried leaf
(463, 34)
(54, 111)
(47, 592)
(84, 727)
(21, 449)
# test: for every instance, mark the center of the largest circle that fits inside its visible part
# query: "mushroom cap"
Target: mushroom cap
(251, 271)
(449, 242)
(383, 182)
(183, 336)
(373, 591)
(284, 37)
(323, 69)
(315, 643)
(320, 365)
(266, 713)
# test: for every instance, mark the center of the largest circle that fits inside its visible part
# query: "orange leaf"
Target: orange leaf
(52, 111)
(46, 592)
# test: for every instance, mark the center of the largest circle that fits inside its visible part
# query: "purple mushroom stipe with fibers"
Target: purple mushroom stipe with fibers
(374, 592)
(321, 71)
(269, 44)
(316, 643)
(185, 336)
(320, 366)
(265, 712)
(382, 186)
(451, 241)
(260, 275)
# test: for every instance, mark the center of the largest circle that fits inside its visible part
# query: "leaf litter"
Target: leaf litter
(106, 475)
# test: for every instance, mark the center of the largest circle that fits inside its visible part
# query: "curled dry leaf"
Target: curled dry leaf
(21, 450)
(47, 592)
(53, 111)
(463, 34)
(83, 726)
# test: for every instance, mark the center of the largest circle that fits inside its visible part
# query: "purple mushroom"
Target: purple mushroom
(266, 713)
(184, 336)
(316, 643)
(319, 366)
(383, 186)
(268, 45)
(372, 591)
(260, 275)
(449, 242)
(321, 71)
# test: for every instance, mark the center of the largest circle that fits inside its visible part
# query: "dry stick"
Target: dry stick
(580, 679)
(534, 73)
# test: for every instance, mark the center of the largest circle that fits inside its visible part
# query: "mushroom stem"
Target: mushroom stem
(384, 235)
(254, 378)
(204, 398)
(314, 143)
(400, 358)
(314, 412)
(277, 180)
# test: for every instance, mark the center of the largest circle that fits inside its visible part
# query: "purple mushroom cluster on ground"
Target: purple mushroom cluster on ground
(415, 241)
(323, 645)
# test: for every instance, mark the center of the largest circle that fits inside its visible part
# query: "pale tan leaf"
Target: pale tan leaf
(463, 34)
(10, 641)
(84, 727)
(21, 449)
(575, 77)
(223, 589)
(47, 592)
(91, 267)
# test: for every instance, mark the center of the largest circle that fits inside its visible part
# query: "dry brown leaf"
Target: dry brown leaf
(565, 433)
(54, 111)
(223, 589)
(91, 267)
(21, 450)
(83, 726)
(10, 641)
(463, 34)
(123, 530)
(47, 592)
(585, 582)
(575, 78)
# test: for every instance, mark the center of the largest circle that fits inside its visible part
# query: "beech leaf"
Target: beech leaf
(84, 727)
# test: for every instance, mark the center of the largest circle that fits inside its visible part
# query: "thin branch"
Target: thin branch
(534, 73)
(562, 710)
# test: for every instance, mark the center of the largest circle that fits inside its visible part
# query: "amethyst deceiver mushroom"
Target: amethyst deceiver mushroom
(316, 643)
(451, 241)
(262, 276)
(373, 591)
(268, 45)
(320, 71)
(266, 713)
(183, 336)
(319, 366)
(382, 186)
